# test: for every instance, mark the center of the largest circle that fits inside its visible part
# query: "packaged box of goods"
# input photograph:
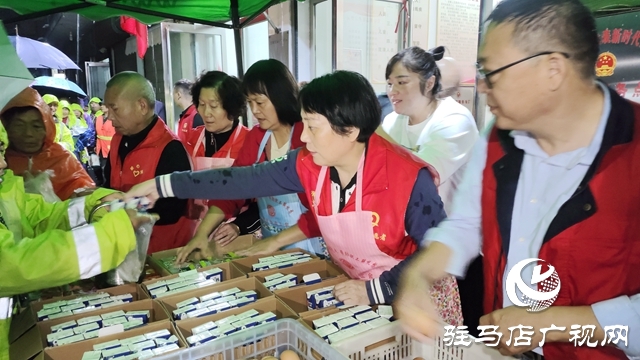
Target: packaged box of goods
(126, 317)
(279, 260)
(199, 331)
(163, 262)
(309, 297)
(345, 321)
(143, 343)
(215, 299)
(80, 304)
(191, 280)
(307, 273)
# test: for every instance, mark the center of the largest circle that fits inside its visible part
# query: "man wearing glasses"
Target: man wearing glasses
(555, 179)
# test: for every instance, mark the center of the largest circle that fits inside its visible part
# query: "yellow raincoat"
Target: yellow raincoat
(44, 244)
(63, 134)
(77, 126)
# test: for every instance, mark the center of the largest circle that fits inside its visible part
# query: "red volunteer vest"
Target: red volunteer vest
(140, 165)
(185, 125)
(594, 240)
(390, 173)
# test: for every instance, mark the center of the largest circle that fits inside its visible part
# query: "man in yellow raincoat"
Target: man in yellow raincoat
(63, 134)
(44, 245)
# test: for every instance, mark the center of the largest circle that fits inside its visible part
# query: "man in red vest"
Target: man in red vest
(189, 118)
(142, 148)
(550, 197)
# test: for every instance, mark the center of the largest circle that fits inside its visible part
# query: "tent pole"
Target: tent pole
(235, 21)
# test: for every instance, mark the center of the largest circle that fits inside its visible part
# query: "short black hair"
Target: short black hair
(228, 89)
(421, 62)
(552, 25)
(11, 113)
(346, 99)
(274, 80)
(183, 85)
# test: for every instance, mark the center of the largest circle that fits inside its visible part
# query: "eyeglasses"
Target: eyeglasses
(485, 76)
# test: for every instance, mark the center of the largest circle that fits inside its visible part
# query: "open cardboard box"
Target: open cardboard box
(240, 243)
(244, 284)
(262, 306)
(75, 351)
(296, 297)
(28, 318)
(229, 272)
(244, 264)
(35, 340)
(323, 268)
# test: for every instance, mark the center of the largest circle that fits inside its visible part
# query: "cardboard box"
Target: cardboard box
(24, 321)
(75, 351)
(243, 284)
(242, 242)
(244, 264)
(229, 272)
(323, 268)
(35, 340)
(296, 298)
(262, 306)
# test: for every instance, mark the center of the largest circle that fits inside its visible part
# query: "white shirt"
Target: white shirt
(545, 183)
(445, 142)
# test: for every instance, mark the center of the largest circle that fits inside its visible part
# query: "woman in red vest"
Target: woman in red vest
(373, 201)
(216, 144)
(272, 92)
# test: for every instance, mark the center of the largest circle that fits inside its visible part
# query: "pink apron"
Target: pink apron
(206, 163)
(349, 239)
(199, 207)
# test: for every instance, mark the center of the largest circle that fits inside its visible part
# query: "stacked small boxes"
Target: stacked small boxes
(80, 305)
(280, 261)
(186, 281)
(87, 328)
(227, 326)
(138, 347)
(213, 303)
(348, 322)
(321, 298)
(279, 281)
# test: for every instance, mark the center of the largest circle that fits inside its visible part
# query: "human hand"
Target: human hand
(521, 340)
(144, 189)
(199, 244)
(352, 292)
(226, 233)
(111, 197)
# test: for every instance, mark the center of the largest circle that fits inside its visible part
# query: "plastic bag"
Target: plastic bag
(133, 265)
(130, 270)
(40, 184)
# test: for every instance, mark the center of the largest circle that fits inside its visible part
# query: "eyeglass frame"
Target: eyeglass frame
(484, 76)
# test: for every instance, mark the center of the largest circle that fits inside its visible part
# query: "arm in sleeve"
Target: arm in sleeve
(276, 177)
(62, 215)
(173, 158)
(461, 231)
(248, 221)
(449, 144)
(35, 263)
(425, 210)
(623, 310)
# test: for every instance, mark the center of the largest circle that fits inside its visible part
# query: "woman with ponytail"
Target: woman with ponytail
(439, 131)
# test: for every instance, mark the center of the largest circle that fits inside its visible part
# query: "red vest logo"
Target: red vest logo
(606, 64)
(136, 171)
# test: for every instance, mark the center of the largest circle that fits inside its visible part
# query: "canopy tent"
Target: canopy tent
(207, 12)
